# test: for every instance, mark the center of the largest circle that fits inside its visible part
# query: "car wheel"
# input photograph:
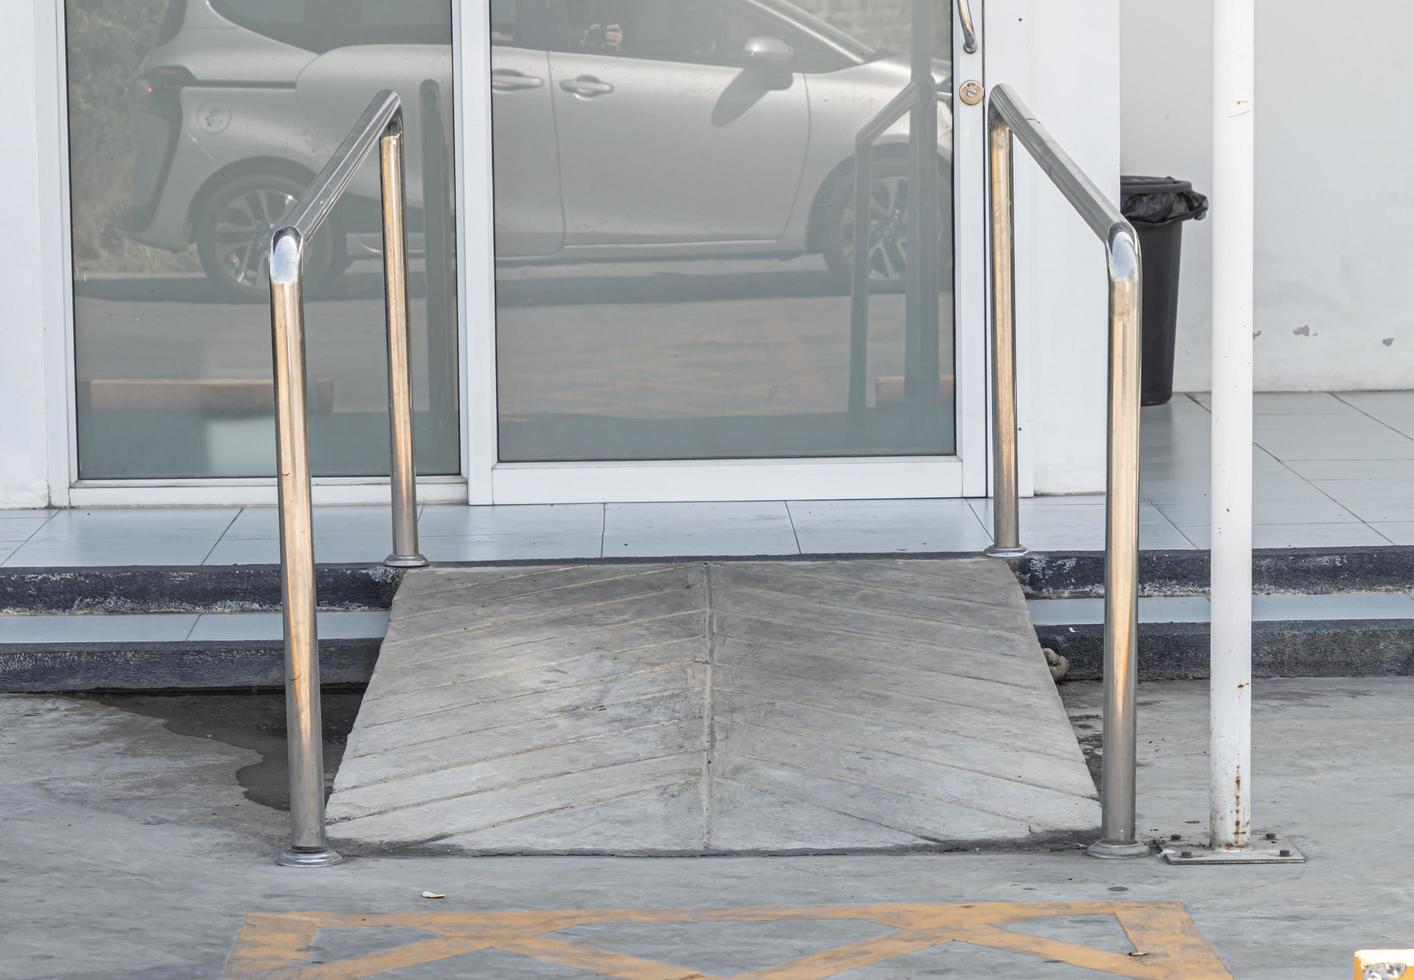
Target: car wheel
(888, 233)
(233, 232)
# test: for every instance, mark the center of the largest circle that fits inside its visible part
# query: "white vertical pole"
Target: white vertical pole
(1234, 23)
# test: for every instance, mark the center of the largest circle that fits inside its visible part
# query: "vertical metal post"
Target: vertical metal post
(1117, 790)
(400, 413)
(309, 847)
(859, 284)
(1230, 750)
(442, 390)
(1006, 506)
(921, 337)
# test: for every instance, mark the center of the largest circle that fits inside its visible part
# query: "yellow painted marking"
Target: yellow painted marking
(279, 946)
(1367, 958)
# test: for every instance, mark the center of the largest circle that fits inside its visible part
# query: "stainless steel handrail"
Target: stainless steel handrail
(381, 126)
(1009, 117)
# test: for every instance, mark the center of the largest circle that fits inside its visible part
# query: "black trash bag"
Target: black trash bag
(1158, 201)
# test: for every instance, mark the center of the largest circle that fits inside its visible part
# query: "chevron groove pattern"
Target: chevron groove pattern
(710, 708)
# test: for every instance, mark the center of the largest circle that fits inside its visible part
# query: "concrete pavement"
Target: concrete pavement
(132, 851)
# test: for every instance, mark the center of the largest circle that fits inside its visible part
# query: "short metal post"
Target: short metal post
(921, 335)
(1006, 518)
(309, 847)
(400, 413)
(859, 283)
(1118, 838)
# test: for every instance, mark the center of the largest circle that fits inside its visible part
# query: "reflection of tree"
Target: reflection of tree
(107, 40)
(882, 23)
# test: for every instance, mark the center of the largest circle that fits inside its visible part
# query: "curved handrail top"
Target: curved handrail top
(1098, 210)
(383, 115)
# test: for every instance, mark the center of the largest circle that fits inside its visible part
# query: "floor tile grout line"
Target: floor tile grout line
(222, 536)
(1373, 418)
(28, 538)
(795, 531)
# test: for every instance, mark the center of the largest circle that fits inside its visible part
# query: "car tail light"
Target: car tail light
(156, 89)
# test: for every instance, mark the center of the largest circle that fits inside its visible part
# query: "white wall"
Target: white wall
(1335, 184)
(1062, 56)
(23, 433)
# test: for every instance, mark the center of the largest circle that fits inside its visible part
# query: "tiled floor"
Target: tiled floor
(1331, 470)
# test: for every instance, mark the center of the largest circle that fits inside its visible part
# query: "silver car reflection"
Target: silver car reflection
(622, 129)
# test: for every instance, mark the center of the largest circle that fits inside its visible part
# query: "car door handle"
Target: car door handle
(505, 80)
(586, 86)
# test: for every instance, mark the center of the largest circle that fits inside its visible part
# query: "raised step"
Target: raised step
(698, 708)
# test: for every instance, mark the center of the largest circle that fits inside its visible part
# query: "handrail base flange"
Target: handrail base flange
(1118, 850)
(300, 857)
(1018, 552)
(406, 561)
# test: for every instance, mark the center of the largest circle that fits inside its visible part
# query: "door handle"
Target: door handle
(969, 27)
(586, 86)
(505, 80)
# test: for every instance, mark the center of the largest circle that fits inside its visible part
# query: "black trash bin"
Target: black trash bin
(1158, 207)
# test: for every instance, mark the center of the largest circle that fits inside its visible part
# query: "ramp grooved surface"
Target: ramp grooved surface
(711, 708)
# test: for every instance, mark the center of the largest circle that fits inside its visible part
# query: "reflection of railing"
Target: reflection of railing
(381, 125)
(1008, 117)
(919, 100)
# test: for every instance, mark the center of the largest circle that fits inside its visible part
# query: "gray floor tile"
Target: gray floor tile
(1195, 609)
(27, 513)
(270, 626)
(1393, 408)
(879, 526)
(513, 547)
(1373, 501)
(1288, 403)
(344, 550)
(138, 522)
(1048, 526)
(1318, 510)
(545, 520)
(168, 627)
(660, 530)
(1344, 469)
(1078, 612)
(257, 523)
(20, 529)
(1381, 605)
(1297, 536)
(1352, 437)
(136, 551)
(1396, 532)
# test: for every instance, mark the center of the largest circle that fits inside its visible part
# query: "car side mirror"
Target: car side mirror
(773, 57)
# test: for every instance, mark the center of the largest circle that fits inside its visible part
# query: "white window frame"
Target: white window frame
(66, 489)
(484, 479)
(491, 481)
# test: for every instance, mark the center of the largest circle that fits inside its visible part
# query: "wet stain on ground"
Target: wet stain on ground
(253, 720)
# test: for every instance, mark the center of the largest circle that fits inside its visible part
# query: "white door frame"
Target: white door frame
(60, 377)
(491, 481)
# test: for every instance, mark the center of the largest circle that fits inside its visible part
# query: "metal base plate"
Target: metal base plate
(995, 552)
(297, 857)
(1265, 849)
(406, 561)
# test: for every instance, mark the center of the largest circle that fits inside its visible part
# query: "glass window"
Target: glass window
(193, 126)
(708, 32)
(675, 234)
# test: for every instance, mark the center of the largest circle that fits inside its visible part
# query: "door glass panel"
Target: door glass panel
(674, 231)
(193, 124)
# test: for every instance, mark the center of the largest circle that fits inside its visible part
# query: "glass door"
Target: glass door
(675, 216)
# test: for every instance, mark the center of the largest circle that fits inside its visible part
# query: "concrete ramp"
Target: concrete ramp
(719, 707)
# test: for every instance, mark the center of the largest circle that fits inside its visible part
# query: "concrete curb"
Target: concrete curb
(202, 665)
(1059, 575)
(1314, 648)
